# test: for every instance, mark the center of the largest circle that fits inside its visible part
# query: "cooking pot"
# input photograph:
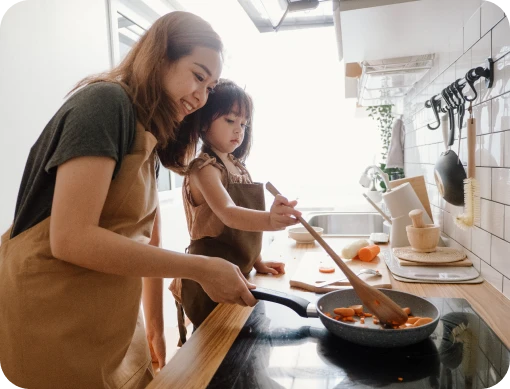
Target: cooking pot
(449, 173)
(369, 334)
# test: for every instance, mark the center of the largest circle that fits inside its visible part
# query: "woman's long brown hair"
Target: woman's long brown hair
(170, 38)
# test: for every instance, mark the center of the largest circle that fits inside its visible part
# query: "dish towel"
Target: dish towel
(395, 158)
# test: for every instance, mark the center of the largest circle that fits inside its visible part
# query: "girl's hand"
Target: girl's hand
(157, 346)
(270, 267)
(225, 283)
(282, 213)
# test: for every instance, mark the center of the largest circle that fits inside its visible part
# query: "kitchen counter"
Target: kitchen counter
(196, 362)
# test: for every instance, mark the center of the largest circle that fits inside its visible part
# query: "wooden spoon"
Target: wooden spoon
(386, 310)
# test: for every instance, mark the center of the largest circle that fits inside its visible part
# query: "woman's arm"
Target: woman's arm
(152, 298)
(208, 181)
(75, 236)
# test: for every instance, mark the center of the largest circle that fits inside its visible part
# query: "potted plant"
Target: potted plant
(382, 114)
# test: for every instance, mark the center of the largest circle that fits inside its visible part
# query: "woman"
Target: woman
(72, 263)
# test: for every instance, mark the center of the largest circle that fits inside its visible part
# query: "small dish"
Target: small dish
(301, 235)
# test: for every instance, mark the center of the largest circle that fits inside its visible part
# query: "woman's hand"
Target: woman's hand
(269, 267)
(224, 282)
(282, 213)
(157, 346)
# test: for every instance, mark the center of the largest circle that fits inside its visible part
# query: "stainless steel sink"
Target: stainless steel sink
(346, 224)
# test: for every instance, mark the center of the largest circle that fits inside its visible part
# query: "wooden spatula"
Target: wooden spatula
(377, 302)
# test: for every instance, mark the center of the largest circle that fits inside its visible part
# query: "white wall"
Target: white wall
(485, 33)
(46, 46)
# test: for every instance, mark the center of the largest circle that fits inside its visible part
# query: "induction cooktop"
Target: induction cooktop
(279, 349)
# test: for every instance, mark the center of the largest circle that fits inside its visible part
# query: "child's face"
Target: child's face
(227, 132)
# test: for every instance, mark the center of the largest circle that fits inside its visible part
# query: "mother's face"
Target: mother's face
(190, 79)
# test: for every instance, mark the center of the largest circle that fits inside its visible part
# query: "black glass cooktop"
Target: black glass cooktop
(279, 349)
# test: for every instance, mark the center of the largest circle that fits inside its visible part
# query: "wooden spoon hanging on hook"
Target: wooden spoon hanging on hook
(377, 302)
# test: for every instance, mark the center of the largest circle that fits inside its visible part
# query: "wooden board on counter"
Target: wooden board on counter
(307, 274)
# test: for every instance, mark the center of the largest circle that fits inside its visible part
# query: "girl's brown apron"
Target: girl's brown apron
(64, 326)
(242, 248)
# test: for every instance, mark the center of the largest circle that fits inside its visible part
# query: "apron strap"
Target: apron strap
(181, 324)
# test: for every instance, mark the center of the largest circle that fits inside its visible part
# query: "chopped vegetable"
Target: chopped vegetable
(351, 250)
(366, 254)
(326, 269)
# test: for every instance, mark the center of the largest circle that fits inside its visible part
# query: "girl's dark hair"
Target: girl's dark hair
(227, 96)
(171, 37)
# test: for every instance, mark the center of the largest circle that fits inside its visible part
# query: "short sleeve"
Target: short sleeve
(98, 120)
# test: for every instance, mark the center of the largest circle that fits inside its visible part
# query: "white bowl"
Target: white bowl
(301, 234)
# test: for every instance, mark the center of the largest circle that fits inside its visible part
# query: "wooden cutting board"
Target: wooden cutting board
(420, 187)
(307, 274)
(463, 262)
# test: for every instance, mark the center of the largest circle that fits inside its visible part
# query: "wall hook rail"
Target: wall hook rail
(454, 97)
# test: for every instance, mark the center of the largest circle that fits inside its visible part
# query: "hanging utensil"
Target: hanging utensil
(449, 173)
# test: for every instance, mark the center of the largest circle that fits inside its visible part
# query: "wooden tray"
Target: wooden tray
(440, 256)
(307, 274)
(476, 280)
(420, 187)
(462, 262)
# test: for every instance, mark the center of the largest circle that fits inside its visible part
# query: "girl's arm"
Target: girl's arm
(152, 298)
(208, 181)
(75, 236)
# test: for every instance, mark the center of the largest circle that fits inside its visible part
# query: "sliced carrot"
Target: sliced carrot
(344, 311)
(367, 314)
(366, 254)
(407, 310)
(422, 321)
(327, 314)
(400, 379)
(357, 308)
(413, 320)
(326, 269)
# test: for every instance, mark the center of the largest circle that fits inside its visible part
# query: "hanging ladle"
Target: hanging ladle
(374, 300)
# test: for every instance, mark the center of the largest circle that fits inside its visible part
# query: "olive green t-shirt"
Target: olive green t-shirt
(97, 120)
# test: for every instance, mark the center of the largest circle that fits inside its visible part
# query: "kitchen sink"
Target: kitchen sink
(346, 223)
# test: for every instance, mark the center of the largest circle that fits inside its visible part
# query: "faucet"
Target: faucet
(365, 179)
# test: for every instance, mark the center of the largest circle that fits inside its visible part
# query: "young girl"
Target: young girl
(86, 224)
(225, 209)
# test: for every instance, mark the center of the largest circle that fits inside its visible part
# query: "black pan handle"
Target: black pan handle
(301, 306)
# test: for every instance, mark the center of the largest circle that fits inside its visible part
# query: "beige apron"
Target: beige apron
(242, 248)
(63, 326)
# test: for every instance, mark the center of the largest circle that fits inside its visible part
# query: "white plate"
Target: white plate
(301, 234)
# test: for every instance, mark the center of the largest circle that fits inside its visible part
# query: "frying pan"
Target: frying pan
(370, 334)
(449, 173)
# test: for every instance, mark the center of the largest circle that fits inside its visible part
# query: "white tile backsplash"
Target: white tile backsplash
(472, 30)
(491, 14)
(506, 287)
(492, 149)
(492, 276)
(485, 33)
(484, 177)
(507, 223)
(481, 245)
(500, 258)
(482, 113)
(500, 39)
(501, 185)
(501, 113)
(492, 217)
